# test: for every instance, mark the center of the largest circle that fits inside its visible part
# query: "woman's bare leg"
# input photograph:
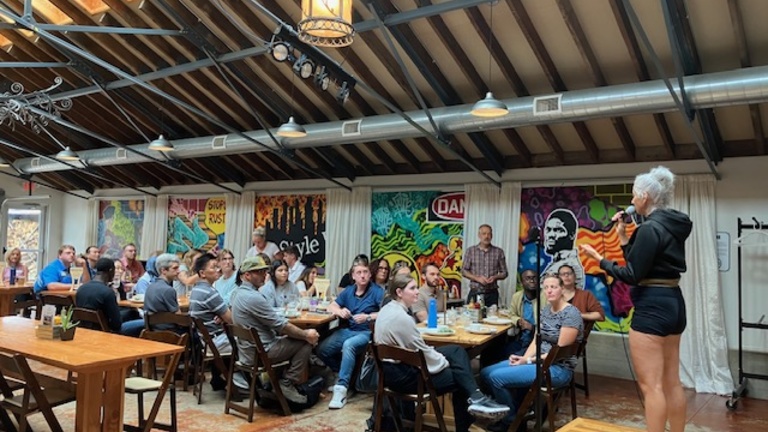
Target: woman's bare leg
(673, 388)
(648, 358)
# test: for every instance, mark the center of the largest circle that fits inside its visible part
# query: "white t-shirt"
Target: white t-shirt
(294, 273)
(270, 249)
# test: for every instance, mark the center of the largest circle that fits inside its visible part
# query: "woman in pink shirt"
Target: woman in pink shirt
(13, 261)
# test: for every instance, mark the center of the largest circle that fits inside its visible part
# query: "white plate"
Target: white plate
(438, 332)
(497, 321)
(292, 314)
(483, 330)
(138, 298)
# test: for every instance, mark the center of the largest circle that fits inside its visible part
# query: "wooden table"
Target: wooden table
(587, 425)
(100, 360)
(8, 293)
(183, 304)
(473, 343)
(313, 320)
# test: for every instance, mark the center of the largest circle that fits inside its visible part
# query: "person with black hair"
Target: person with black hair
(278, 290)
(292, 258)
(206, 304)
(97, 295)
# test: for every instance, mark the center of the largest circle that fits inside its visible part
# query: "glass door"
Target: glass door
(24, 222)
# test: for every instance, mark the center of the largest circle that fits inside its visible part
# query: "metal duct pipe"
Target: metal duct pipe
(738, 87)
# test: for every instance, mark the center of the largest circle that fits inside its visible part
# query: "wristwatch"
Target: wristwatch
(368, 318)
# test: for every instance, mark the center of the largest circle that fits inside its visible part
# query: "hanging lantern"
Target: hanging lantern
(326, 23)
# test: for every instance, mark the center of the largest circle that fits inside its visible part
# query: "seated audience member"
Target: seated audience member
(55, 276)
(281, 339)
(561, 325)
(131, 263)
(147, 278)
(13, 262)
(99, 296)
(358, 304)
(346, 280)
(88, 262)
(206, 304)
(448, 365)
(262, 245)
(380, 271)
(401, 268)
(227, 282)
(292, 258)
(522, 312)
(306, 282)
(186, 278)
(430, 290)
(160, 295)
(278, 290)
(584, 300)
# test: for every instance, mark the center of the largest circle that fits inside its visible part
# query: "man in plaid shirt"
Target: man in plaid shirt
(484, 265)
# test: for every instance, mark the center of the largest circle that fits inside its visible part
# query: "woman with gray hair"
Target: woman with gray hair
(655, 258)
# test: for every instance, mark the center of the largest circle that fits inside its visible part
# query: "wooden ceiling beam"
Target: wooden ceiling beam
(363, 161)
(741, 40)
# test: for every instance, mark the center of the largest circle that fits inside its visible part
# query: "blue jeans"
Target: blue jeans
(132, 328)
(340, 350)
(506, 380)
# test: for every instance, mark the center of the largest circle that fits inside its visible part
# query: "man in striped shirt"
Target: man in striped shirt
(484, 264)
(206, 303)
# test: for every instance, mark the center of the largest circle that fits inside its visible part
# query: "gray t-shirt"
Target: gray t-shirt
(206, 303)
(552, 322)
(161, 297)
(250, 309)
(278, 296)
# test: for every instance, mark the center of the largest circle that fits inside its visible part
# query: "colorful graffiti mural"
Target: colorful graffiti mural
(120, 222)
(401, 232)
(196, 223)
(295, 220)
(569, 216)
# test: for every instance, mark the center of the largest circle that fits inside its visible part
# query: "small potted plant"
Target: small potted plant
(67, 326)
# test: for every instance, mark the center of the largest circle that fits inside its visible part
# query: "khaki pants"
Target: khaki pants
(297, 353)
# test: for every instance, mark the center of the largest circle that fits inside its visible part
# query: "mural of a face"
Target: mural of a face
(557, 236)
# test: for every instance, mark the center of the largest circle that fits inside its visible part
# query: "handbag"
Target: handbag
(368, 381)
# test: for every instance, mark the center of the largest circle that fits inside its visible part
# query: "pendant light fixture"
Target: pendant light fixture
(326, 23)
(489, 106)
(291, 129)
(67, 155)
(4, 163)
(161, 144)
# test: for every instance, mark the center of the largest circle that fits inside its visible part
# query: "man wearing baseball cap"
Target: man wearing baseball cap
(281, 339)
(261, 245)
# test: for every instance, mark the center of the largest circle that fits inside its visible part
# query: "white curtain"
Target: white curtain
(154, 234)
(348, 229)
(240, 213)
(704, 349)
(506, 234)
(92, 223)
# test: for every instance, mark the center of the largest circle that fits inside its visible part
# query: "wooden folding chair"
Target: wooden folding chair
(261, 364)
(582, 354)
(425, 390)
(41, 393)
(210, 355)
(139, 385)
(183, 324)
(61, 301)
(549, 393)
(91, 319)
(26, 303)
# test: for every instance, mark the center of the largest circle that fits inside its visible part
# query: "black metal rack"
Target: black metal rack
(741, 390)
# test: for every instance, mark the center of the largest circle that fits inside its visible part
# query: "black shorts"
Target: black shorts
(659, 311)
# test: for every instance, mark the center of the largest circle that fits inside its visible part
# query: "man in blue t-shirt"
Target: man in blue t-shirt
(55, 276)
(359, 305)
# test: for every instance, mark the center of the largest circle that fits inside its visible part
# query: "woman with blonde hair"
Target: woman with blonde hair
(655, 258)
(13, 263)
(187, 278)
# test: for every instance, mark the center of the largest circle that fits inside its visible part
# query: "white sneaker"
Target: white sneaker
(339, 397)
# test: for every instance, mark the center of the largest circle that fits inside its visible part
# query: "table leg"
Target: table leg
(6, 304)
(114, 399)
(89, 401)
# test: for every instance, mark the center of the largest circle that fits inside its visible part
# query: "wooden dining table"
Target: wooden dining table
(100, 360)
(9, 292)
(474, 343)
(315, 320)
(183, 304)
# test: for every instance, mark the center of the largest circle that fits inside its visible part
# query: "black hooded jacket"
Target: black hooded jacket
(656, 249)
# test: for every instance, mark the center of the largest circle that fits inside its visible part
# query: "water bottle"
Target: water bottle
(432, 314)
(12, 280)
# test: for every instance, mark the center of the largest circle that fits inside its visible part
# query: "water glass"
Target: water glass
(313, 305)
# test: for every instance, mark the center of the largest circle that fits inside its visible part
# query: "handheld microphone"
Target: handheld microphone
(630, 211)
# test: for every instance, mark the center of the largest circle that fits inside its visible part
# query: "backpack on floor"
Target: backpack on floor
(311, 389)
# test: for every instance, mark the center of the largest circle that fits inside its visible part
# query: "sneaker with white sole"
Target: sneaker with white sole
(291, 392)
(339, 398)
(487, 407)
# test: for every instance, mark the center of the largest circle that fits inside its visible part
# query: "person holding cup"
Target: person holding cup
(15, 272)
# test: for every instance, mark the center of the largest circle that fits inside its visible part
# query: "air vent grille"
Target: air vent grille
(121, 153)
(219, 142)
(547, 105)
(35, 162)
(351, 128)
